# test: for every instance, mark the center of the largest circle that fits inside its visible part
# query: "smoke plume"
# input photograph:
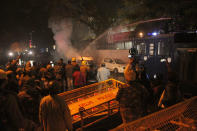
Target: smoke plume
(62, 30)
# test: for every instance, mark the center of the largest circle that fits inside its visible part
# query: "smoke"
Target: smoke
(17, 46)
(62, 30)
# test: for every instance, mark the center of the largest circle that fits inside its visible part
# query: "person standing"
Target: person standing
(54, 114)
(79, 78)
(69, 77)
(132, 97)
(84, 69)
(103, 73)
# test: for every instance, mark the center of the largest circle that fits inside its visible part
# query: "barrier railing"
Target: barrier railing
(180, 117)
(93, 100)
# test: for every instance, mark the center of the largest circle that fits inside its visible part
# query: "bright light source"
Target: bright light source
(141, 34)
(154, 33)
(145, 58)
(31, 62)
(155, 76)
(54, 47)
(169, 59)
(11, 54)
(30, 53)
(20, 62)
(51, 62)
(162, 60)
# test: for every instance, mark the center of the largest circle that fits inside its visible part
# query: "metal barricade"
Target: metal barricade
(180, 117)
(93, 100)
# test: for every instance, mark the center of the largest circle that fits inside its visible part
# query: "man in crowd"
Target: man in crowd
(69, 77)
(132, 96)
(79, 78)
(84, 68)
(103, 73)
(54, 113)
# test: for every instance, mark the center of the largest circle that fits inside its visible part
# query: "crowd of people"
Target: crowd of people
(29, 100)
(28, 95)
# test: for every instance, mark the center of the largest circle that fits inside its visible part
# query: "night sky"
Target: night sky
(21, 17)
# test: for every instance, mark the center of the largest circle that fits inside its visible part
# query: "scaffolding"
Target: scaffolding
(180, 117)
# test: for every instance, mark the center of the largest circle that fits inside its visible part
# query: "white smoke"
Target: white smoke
(62, 30)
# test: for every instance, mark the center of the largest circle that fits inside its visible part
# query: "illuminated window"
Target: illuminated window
(151, 49)
(141, 48)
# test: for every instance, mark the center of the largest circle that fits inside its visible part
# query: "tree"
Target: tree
(99, 15)
(182, 11)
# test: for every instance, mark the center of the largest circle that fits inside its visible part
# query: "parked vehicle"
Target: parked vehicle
(115, 65)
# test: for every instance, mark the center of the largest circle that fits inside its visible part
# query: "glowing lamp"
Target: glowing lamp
(154, 33)
(141, 34)
(145, 58)
(169, 59)
(11, 54)
(30, 53)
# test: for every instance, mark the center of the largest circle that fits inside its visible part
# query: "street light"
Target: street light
(30, 53)
(11, 54)
(141, 34)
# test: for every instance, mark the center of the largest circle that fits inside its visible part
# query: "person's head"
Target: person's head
(77, 68)
(19, 70)
(10, 75)
(69, 61)
(35, 63)
(48, 67)
(61, 61)
(53, 87)
(83, 62)
(103, 65)
(3, 78)
(28, 81)
(73, 59)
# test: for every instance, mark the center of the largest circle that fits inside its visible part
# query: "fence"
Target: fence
(93, 100)
(180, 117)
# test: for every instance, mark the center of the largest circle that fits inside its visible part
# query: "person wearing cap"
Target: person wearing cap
(130, 72)
(84, 68)
(54, 114)
(74, 63)
(103, 73)
(132, 96)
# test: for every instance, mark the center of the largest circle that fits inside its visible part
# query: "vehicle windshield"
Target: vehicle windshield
(118, 61)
